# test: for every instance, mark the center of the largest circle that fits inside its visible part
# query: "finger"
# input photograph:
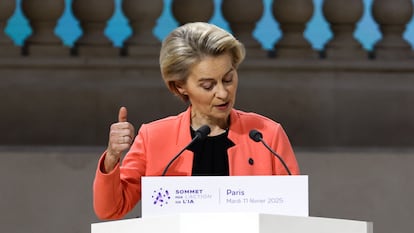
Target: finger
(121, 128)
(126, 139)
(122, 115)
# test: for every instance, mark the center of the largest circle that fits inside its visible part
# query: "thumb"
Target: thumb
(122, 115)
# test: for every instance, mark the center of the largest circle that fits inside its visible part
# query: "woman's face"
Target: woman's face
(211, 88)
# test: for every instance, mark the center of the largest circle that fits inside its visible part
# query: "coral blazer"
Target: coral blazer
(117, 192)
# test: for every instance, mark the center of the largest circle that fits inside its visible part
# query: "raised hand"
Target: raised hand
(121, 136)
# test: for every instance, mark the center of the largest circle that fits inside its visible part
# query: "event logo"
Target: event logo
(161, 197)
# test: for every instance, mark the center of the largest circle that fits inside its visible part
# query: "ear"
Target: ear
(181, 88)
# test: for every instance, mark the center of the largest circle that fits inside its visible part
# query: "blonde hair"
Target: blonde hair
(189, 44)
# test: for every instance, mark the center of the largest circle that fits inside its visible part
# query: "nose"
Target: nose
(221, 92)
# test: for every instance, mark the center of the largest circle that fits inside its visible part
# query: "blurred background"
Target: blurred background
(338, 75)
(117, 30)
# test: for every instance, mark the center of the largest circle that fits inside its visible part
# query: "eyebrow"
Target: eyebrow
(209, 79)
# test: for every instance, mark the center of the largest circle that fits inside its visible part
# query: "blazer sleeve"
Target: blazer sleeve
(116, 193)
(284, 149)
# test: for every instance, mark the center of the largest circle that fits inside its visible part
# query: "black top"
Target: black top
(210, 155)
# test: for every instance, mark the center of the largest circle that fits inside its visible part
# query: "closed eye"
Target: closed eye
(228, 78)
(208, 85)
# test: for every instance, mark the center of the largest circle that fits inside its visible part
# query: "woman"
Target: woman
(199, 64)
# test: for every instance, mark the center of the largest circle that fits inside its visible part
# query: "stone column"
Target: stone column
(142, 16)
(293, 15)
(186, 11)
(243, 15)
(93, 16)
(7, 48)
(43, 16)
(392, 17)
(343, 17)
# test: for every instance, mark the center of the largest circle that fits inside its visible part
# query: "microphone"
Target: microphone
(200, 134)
(258, 137)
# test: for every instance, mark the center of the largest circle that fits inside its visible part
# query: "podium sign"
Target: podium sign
(282, 195)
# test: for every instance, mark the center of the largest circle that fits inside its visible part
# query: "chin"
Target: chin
(223, 115)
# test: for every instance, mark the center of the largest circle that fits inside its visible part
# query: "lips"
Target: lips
(222, 106)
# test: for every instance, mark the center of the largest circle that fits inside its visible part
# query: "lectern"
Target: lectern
(232, 223)
(232, 204)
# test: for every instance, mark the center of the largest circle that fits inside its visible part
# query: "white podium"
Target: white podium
(232, 204)
(232, 222)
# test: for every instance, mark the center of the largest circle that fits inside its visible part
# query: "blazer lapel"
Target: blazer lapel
(184, 164)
